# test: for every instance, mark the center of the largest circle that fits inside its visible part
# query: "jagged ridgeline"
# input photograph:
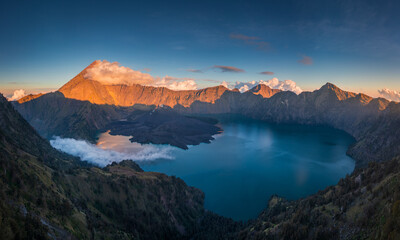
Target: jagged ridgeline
(83, 107)
(47, 194)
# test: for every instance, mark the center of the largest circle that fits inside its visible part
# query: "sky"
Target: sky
(353, 44)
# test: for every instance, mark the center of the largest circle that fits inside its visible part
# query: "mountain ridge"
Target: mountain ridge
(357, 114)
(81, 88)
(264, 90)
(363, 117)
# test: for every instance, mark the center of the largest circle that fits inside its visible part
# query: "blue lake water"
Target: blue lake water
(251, 161)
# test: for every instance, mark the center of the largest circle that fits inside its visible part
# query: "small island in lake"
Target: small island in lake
(163, 125)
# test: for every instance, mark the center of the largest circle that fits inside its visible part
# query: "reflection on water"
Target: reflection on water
(118, 143)
(250, 161)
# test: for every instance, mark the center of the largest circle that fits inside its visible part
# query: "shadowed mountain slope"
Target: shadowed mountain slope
(54, 115)
(45, 194)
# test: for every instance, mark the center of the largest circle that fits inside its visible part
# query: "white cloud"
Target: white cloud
(390, 94)
(244, 87)
(274, 83)
(109, 73)
(225, 84)
(18, 94)
(102, 157)
(175, 83)
(112, 73)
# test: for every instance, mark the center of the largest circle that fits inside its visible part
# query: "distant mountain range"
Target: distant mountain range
(83, 107)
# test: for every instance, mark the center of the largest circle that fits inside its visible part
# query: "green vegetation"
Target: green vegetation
(364, 205)
(46, 194)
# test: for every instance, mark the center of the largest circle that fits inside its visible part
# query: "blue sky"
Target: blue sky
(354, 44)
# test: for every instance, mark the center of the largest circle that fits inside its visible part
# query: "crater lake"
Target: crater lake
(251, 161)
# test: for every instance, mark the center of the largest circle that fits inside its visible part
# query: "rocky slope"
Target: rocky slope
(54, 115)
(82, 88)
(264, 91)
(46, 194)
(364, 205)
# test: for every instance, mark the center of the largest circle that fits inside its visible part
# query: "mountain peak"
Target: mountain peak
(94, 63)
(259, 87)
(264, 90)
(332, 89)
(329, 85)
(84, 89)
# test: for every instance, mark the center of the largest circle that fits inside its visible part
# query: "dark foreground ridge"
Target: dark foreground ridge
(48, 195)
(364, 205)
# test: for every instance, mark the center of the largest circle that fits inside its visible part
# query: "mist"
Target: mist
(102, 157)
